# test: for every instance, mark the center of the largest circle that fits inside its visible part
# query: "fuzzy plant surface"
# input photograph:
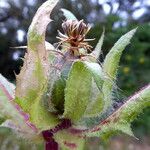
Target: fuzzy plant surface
(64, 95)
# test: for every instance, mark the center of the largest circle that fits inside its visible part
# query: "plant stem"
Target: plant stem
(50, 143)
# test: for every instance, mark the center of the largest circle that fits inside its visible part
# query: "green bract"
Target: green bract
(60, 91)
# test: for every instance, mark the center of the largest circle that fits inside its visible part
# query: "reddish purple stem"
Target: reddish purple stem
(50, 143)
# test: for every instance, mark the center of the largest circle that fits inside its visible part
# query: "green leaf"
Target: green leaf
(10, 116)
(113, 57)
(97, 51)
(96, 72)
(7, 90)
(77, 92)
(68, 141)
(95, 107)
(2, 119)
(58, 93)
(111, 63)
(8, 87)
(51, 51)
(69, 15)
(41, 117)
(37, 29)
(6, 96)
(95, 104)
(120, 120)
(112, 129)
(32, 82)
(32, 103)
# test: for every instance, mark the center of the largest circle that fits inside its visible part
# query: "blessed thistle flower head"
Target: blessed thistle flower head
(74, 34)
(59, 96)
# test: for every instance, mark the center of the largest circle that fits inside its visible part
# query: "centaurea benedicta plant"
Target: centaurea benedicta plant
(60, 94)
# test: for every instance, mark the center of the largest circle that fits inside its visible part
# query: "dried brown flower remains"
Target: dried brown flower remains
(74, 35)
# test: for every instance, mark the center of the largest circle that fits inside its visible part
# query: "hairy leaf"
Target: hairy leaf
(33, 78)
(120, 120)
(8, 87)
(77, 92)
(12, 117)
(37, 29)
(6, 96)
(95, 107)
(58, 94)
(97, 51)
(111, 63)
(69, 141)
(96, 72)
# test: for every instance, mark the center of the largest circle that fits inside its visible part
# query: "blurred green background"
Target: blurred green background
(117, 16)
